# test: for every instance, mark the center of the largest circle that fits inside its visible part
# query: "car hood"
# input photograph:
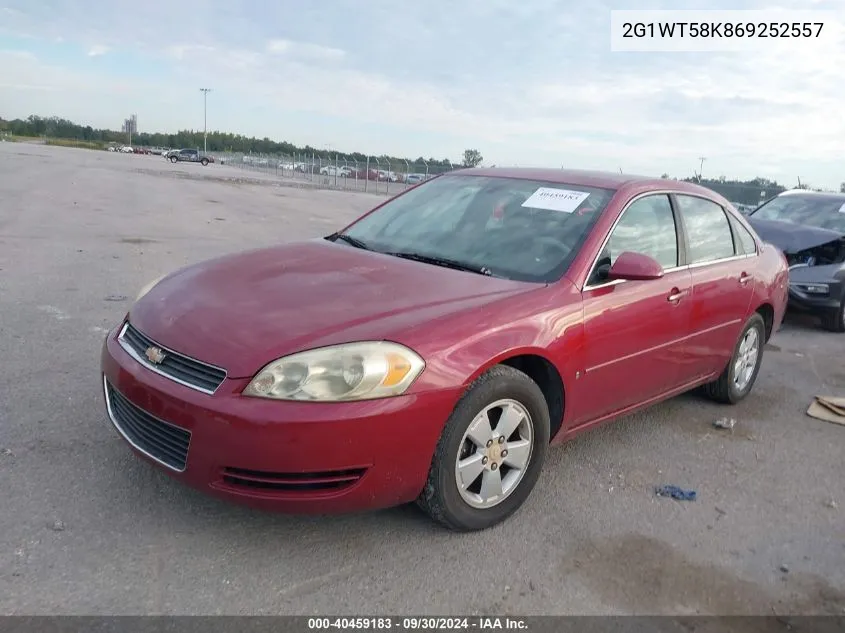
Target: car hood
(792, 238)
(244, 310)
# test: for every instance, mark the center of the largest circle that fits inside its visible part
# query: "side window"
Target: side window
(744, 241)
(708, 230)
(648, 227)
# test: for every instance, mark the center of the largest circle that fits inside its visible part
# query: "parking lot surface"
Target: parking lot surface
(88, 528)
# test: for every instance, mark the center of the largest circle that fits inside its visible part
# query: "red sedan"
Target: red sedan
(432, 350)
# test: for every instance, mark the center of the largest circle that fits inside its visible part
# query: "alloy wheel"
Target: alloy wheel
(494, 454)
(746, 359)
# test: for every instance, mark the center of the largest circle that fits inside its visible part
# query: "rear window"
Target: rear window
(745, 244)
(811, 210)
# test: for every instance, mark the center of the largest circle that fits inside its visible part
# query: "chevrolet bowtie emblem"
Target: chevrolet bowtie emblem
(155, 355)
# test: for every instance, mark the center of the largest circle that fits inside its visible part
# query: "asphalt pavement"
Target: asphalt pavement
(88, 528)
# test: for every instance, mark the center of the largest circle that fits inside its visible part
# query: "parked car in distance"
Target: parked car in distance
(433, 349)
(414, 179)
(334, 170)
(126, 149)
(189, 156)
(809, 227)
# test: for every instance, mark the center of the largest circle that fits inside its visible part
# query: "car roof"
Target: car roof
(828, 195)
(586, 178)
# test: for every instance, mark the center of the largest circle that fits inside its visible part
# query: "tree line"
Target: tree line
(58, 128)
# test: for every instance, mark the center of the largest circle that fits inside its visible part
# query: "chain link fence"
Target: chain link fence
(379, 175)
(743, 194)
(373, 175)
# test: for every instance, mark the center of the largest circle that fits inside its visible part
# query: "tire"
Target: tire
(725, 388)
(204, 162)
(173, 159)
(441, 497)
(834, 321)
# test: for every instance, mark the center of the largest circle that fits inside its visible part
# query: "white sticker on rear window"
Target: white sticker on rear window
(551, 199)
(842, 209)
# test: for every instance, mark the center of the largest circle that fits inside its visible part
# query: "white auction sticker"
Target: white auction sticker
(842, 209)
(562, 200)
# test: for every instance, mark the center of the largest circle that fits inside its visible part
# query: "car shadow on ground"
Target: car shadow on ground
(801, 321)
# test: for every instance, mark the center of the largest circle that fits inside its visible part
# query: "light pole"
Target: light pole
(205, 92)
(701, 166)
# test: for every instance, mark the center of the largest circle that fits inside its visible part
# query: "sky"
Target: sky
(529, 83)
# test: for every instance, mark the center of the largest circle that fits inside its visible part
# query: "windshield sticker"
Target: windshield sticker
(551, 199)
(842, 209)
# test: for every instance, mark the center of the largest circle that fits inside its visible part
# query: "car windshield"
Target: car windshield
(524, 230)
(819, 211)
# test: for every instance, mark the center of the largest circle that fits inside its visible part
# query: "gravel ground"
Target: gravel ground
(87, 528)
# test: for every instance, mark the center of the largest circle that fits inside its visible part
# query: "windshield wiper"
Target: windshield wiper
(350, 240)
(442, 261)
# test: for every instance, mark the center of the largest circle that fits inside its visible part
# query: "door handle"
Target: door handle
(744, 278)
(675, 295)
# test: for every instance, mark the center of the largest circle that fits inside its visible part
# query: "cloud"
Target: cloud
(305, 50)
(182, 51)
(527, 84)
(97, 50)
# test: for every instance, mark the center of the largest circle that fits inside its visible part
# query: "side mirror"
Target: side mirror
(635, 267)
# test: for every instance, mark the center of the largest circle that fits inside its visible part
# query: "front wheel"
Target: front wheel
(739, 376)
(835, 320)
(173, 159)
(204, 162)
(490, 454)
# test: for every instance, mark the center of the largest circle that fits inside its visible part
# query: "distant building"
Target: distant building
(130, 125)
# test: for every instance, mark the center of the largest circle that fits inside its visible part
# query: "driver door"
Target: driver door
(635, 330)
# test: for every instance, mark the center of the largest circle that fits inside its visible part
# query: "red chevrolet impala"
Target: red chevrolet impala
(433, 349)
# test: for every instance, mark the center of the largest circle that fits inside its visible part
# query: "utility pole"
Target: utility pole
(701, 166)
(205, 92)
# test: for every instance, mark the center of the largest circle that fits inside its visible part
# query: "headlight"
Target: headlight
(353, 371)
(149, 287)
(812, 289)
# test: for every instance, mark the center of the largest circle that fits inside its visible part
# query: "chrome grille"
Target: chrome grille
(178, 367)
(155, 438)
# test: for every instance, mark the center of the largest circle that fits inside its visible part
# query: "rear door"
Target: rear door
(634, 330)
(722, 283)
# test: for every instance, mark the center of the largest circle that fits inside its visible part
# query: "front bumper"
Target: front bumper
(286, 456)
(816, 303)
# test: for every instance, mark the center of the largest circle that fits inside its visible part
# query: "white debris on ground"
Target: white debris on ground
(725, 423)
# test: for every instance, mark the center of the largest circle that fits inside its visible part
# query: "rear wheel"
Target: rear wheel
(204, 162)
(490, 454)
(835, 320)
(740, 375)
